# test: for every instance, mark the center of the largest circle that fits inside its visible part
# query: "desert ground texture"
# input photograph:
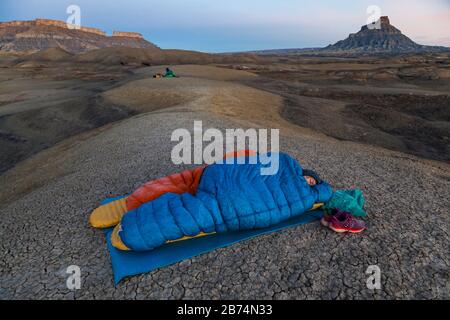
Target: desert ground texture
(73, 134)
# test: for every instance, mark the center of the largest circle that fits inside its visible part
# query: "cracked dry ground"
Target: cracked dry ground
(44, 229)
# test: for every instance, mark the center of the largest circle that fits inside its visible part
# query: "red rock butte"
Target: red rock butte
(62, 24)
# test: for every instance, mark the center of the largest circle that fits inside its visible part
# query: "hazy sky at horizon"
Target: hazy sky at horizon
(238, 25)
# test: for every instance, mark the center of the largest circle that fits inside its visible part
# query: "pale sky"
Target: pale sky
(239, 25)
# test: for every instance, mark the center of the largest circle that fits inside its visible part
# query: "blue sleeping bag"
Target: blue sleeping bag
(230, 197)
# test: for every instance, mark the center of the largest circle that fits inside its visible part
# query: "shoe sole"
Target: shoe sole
(327, 224)
(345, 230)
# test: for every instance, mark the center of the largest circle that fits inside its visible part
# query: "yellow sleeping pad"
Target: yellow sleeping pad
(201, 234)
(117, 242)
(115, 239)
(108, 215)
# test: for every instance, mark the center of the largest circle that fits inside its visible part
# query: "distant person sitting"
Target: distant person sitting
(169, 74)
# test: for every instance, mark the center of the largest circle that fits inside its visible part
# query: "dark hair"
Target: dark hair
(313, 174)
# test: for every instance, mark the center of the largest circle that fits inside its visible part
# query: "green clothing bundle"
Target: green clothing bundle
(170, 74)
(347, 200)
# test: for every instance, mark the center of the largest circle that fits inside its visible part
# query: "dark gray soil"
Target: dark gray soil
(59, 106)
(415, 121)
(46, 230)
(47, 200)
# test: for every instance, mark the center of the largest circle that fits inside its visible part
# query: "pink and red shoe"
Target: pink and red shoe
(342, 221)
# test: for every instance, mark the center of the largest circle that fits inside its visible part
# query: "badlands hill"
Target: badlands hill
(147, 57)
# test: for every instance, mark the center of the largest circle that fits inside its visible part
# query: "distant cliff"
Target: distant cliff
(42, 34)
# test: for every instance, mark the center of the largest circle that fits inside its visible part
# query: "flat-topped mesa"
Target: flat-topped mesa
(62, 24)
(42, 34)
(93, 30)
(50, 22)
(16, 23)
(127, 34)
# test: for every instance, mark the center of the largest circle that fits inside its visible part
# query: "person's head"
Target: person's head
(311, 177)
(310, 180)
(167, 69)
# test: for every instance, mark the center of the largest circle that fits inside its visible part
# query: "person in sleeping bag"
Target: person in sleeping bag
(221, 197)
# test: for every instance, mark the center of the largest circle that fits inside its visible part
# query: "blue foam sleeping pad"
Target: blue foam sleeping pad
(130, 263)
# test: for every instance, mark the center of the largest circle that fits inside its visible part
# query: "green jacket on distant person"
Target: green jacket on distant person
(169, 74)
